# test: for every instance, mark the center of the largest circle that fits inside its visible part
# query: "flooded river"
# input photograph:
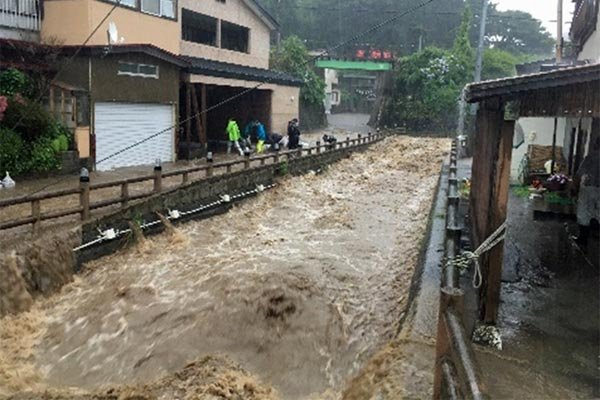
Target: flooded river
(286, 296)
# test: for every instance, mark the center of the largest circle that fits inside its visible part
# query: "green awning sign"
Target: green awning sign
(356, 65)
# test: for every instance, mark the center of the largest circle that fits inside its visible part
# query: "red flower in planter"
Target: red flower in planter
(3, 106)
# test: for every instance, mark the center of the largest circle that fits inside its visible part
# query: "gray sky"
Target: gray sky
(544, 10)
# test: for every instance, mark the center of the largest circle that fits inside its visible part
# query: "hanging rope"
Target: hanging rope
(463, 260)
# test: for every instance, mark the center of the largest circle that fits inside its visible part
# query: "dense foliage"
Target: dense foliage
(323, 24)
(292, 57)
(427, 85)
(30, 138)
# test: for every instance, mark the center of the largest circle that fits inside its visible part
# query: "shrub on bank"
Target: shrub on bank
(30, 137)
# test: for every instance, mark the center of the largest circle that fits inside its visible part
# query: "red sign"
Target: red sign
(373, 54)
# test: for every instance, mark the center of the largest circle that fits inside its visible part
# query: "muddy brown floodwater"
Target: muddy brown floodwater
(286, 296)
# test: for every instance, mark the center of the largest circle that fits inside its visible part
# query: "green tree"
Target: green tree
(426, 89)
(462, 45)
(292, 57)
(498, 64)
(514, 31)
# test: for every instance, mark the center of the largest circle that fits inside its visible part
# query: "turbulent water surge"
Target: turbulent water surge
(286, 296)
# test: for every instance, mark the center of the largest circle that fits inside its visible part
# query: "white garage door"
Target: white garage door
(119, 125)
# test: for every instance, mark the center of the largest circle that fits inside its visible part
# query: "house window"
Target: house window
(161, 8)
(198, 28)
(141, 70)
(151, 6)
(234, 37)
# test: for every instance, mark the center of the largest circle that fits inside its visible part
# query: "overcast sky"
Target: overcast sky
(544, 10)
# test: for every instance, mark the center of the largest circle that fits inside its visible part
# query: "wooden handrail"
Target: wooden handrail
(125, 198)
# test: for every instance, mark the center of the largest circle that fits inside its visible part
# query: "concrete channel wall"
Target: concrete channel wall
(202, 192)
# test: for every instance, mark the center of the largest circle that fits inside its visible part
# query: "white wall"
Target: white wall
(537, 131)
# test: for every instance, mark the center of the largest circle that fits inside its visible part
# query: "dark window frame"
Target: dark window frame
(191, 33)
(235, 30)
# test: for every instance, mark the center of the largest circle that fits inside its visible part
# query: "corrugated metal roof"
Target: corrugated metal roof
(204, 66)
(511, 87)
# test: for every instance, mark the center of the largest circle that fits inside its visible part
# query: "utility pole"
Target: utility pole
(462, 104)
(479, 61)
(420, 42)
(559, 32)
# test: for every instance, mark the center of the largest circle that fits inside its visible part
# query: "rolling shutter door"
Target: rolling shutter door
(119, 125)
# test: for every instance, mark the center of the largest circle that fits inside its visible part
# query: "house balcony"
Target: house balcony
(20, 19)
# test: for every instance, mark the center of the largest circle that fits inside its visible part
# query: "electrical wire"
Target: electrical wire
(255, 87)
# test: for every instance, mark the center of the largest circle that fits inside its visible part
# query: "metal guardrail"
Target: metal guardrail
(86, 189)
(457, 374)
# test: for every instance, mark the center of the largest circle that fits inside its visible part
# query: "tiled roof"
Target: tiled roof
(202, 66)
(148, 49)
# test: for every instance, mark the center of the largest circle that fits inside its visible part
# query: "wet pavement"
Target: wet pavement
(549, 315)
(297, 290)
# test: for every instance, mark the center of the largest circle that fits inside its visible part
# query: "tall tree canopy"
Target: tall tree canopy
(325, 23)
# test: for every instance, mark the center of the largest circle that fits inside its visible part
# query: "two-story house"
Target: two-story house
(150, 64)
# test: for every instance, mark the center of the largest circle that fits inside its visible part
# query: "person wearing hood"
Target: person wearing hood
(293, 134)
(261, 136)
(233, 134)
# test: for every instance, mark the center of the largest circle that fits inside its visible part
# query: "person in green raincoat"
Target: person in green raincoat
(233, 136)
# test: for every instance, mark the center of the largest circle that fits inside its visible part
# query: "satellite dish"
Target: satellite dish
(113, 33)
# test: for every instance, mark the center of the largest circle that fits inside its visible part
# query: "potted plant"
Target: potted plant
(556, 182)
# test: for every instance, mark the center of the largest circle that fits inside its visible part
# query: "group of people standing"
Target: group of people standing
(255, 131)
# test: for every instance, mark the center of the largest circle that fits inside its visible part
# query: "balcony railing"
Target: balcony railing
(20, 14)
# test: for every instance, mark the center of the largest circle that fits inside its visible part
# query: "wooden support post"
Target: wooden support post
(203, 107)
(62, 106)
(35, 213)
(196, 111)
(554, 146)
(498, 211)
(84, 198)
(188, 121)
(262, 161)
(347, 141)
(209, 170)
(247, 163)
(51, 99)
(186, 178)
(318, 147)
(157, 179)
(124, 194)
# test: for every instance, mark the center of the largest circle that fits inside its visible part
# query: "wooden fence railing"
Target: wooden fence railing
(87, 189)
(456, 371)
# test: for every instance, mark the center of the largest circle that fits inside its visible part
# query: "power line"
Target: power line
(228, 100)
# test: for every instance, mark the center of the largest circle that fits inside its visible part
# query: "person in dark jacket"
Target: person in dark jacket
(293, 132)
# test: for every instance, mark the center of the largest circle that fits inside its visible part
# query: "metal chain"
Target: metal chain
(463, 260)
